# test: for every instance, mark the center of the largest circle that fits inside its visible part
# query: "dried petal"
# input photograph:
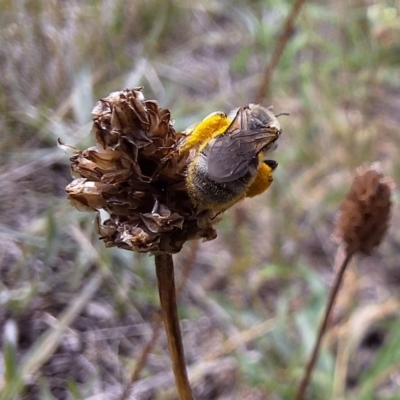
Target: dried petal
(86, 195)
(130, 174)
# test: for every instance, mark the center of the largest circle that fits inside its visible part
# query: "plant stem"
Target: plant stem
(278, 51)
(331, 301)
(166, 290)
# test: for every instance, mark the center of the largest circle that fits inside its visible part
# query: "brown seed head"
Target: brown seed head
(365, 211)
(130, 174)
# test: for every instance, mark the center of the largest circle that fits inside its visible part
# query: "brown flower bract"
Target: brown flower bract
(135, 174)
(365, 212)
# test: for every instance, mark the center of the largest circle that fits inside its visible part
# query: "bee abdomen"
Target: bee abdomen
(208, 193)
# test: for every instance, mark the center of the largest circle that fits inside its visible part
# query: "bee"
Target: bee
(230, 160)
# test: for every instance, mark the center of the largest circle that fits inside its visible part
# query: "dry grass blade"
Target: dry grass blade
(242, 338)
(352, 332)
(47, 344)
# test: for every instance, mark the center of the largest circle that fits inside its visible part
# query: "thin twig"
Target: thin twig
(278, 51)
(187, 267)
(145, 352)
(166, 289)
(332, 297)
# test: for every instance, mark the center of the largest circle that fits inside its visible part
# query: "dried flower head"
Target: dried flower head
(137, 174)
(365, 211)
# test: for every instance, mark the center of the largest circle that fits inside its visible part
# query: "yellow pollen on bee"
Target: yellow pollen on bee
(211, 126)
(262, 180)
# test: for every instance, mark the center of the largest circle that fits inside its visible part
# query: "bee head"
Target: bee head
(262, 117)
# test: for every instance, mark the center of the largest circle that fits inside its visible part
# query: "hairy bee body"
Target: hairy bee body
(229, 163)
(206, 192)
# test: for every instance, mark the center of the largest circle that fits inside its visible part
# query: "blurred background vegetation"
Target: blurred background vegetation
(75, 317)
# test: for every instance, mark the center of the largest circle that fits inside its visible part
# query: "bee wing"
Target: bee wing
(230, 154)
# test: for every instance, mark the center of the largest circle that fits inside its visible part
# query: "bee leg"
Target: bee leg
(262, 181)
